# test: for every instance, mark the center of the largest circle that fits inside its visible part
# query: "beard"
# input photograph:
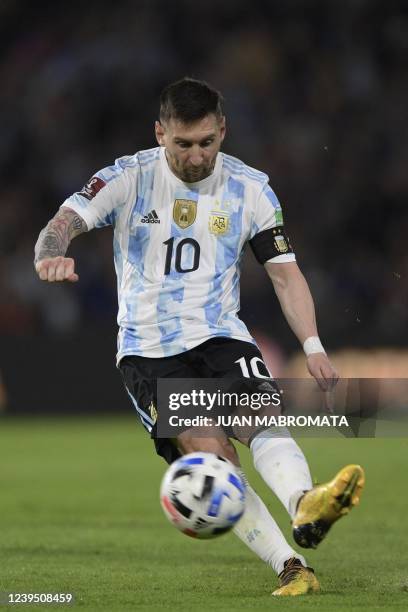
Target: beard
(190, 174)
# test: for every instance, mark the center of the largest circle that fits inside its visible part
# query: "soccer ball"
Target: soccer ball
(203, 495)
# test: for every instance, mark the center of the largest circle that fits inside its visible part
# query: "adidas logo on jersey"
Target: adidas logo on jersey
(151, 217)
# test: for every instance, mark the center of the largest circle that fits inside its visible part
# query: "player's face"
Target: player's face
(191, 148)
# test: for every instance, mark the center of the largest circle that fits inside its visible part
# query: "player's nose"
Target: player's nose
(196, 156)
(196, 160)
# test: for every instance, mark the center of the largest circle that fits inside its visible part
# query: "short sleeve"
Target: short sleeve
(101, 196)
(268, 238)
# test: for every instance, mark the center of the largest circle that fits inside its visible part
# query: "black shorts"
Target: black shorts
(215, 358)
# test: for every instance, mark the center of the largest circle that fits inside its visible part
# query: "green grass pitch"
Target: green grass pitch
(80, 513)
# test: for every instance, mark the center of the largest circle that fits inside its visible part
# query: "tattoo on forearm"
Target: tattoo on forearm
(54, 239)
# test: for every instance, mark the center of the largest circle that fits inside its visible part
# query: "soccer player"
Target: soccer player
(182, 213)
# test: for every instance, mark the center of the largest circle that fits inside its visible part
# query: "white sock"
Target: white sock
(282, 465)
(259, 531)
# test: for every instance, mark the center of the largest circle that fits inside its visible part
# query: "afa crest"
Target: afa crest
(281, 244)
(281, 241)
(218, 223)
(184, 212)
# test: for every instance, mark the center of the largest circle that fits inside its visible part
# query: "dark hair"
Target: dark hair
(189, 100)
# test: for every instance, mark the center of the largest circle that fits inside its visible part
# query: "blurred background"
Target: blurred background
(316, 95)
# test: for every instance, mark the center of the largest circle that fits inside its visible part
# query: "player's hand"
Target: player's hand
(322, 370)
(56, 269)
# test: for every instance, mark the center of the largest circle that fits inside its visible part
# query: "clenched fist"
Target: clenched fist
(54, 269)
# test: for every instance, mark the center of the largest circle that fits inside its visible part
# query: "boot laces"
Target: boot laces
(292, 568)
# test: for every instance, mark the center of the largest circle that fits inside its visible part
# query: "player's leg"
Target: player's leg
(257, 529)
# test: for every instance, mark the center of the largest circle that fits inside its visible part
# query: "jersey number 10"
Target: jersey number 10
(178, 264)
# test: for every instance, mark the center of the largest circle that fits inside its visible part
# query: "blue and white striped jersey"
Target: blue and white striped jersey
(178, 247)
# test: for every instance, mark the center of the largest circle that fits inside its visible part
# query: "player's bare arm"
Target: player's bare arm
(297, 305)
(50, 262)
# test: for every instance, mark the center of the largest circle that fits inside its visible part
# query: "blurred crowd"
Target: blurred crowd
(315, 95)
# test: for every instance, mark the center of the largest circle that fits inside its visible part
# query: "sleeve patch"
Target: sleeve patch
(270, 243)
(91, 188)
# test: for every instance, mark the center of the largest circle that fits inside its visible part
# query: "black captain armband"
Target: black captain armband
(270, 243)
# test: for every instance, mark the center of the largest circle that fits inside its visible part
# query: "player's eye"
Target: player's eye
(183, 145)
(207, 143)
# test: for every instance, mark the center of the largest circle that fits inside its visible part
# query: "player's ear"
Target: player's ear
(159, 130)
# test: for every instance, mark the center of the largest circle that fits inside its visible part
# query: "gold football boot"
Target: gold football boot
(323, 505)
(295, 579)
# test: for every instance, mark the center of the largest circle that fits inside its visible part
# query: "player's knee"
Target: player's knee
(218, 446)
